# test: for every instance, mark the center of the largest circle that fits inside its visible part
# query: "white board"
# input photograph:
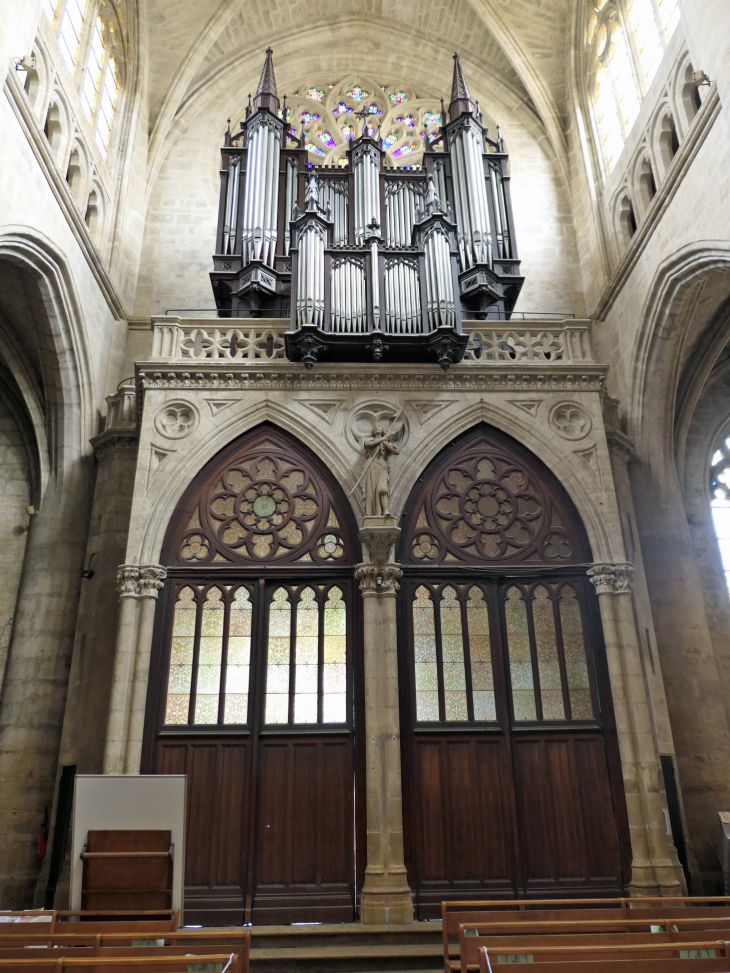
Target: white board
(107, 802)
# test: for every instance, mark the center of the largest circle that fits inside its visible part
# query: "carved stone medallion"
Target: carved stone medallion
(176, 420)
(359, 424)
(570, 420)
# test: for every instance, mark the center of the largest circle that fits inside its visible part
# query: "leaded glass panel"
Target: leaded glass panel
(520, 660)
(277, 659)
(181, 658)
(576, 666)
(306, 659)
(548, 666)
(238, 665)
(209, 658)
(480, 653)
(426, 664)
(334, 681)
(452, 654)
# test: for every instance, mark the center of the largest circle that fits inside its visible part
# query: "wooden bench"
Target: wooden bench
(526, 945)
(617, 960)
(37, 921)
(456, 913)
(194, 954)
(145, 961)
(181, 937)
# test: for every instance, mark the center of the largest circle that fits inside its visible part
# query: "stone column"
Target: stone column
(386, 896)
(151, 581)
(652, 871)
(122, 680)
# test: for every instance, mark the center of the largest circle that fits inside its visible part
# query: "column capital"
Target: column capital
(378, 578)
(128, 581)
(134, 581)
(151, 580)
(615, 579)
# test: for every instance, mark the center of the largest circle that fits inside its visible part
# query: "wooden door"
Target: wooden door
(252, 687)
(510, 756)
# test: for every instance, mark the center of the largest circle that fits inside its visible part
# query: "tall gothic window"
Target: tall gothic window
(86, 34)
(626, 40)
(720, 503)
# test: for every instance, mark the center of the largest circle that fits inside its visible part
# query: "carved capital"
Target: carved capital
(128, 581)
(379, 534)
(378, 578)
(620, 445)
(613, 579)
(151, 580)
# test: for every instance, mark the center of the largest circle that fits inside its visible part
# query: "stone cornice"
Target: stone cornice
(666, 191)
(620, 445)
(59, 187)
(294, 377)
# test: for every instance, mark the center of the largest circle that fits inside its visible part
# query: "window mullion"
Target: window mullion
(625, 21)
(106, 56)
(87, 31)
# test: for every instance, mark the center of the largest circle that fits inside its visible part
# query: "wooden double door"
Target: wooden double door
(265, 734)
(512, 777)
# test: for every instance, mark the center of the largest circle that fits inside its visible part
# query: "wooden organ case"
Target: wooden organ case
(369, 262)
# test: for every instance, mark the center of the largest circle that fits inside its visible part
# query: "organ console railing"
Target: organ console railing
(369, 262)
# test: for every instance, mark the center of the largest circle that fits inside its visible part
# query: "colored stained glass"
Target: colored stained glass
(209, 658)
(334, 676)
(239, 659)
(431, 118)
(316, 94)
(181, 658)
(480, 652)
(340, 108)
(277, 662)
(398, 98)
(520, 663)
(348, 131)
(403, 150)
(452, 655)
(410, 121)
(391, 139)
(315, 148)
(358, 93)
(374, 110)
(548, 667)
(326, 138)
(424, 639)
(310, 117)
(306, 659)
(576, 667)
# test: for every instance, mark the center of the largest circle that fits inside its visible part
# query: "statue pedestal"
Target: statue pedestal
(379, 534)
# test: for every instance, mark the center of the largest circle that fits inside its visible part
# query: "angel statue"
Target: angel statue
(378, 449)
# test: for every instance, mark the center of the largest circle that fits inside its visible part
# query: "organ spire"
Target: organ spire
(461, 102)
(266, 96)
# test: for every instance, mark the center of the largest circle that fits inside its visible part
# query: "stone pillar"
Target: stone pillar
(151, 581)
(652, 871)
(386, 896)
(138, 588)
(36, 678)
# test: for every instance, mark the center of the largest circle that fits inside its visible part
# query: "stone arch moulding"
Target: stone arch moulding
(67, 370)
(598, 513)
(219, 519)
(655, 357)
(481, 476)
(152, 509)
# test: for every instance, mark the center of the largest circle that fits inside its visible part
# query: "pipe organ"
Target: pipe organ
(368, 261)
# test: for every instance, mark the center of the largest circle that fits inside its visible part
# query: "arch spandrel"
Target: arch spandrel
(487, 500)
(263, 500)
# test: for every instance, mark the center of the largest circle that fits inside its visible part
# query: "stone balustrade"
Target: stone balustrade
(551, 341)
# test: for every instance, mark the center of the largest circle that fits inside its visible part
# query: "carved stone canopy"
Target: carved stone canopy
(379, 534)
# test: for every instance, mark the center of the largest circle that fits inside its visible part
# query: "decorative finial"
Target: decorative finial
(461, 103)
(266, 96)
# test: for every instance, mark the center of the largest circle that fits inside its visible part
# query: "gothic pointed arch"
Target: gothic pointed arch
(504, 686)
(487, 500)
(265, 499)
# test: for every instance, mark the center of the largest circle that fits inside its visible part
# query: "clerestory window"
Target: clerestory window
(85, 33)
(626, 41)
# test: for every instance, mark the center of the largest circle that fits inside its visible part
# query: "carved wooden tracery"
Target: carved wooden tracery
(485, 504)
(264, 502)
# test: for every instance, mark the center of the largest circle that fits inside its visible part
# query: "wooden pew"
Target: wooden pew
(455, 913)
(527, 945)
(146, 962)
(181, 937)
(153, 920)
(617, 961)
(193, 954)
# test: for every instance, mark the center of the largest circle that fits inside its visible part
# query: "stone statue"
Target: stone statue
(378, 448)
(311, 192)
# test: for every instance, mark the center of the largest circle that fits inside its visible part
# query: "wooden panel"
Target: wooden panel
(567, 830)
(304, 830)
(465, 846)
(214, 854)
